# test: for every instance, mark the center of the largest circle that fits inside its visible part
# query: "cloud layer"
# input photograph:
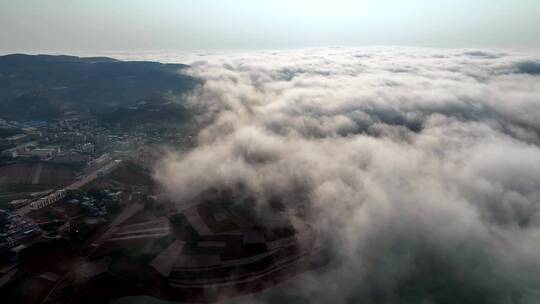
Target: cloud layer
(420, 167)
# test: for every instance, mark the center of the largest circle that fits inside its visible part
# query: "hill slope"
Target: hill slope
(44, 86)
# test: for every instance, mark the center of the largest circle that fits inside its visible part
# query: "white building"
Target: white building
(48, 200)
(43, 154)
(11, 153)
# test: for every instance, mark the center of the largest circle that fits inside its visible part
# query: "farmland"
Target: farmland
(19, 179)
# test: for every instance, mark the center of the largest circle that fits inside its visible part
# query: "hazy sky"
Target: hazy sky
(101, 25)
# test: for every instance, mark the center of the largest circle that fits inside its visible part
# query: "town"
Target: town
(80, 192)
(48, 175)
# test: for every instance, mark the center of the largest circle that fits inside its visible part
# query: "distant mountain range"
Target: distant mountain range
(45, 87)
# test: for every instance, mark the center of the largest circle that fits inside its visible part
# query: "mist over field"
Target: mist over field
(261, 152)
(419, 168)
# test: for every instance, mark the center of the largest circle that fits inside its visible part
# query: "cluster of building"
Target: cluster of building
(78, 140)
(48, 200)
(94, 206)
(42, 140)
(74, 139)
(67, 140)
(16, 232)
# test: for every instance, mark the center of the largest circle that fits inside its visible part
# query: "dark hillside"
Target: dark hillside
(43, 86)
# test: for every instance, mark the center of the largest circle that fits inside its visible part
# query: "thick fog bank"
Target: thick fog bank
(419, 167)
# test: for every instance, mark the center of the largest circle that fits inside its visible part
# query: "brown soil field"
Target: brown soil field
(38, 173)
(59, 211)
(127, 174)
(132, 175)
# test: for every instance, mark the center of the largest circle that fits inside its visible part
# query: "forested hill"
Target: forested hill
(45, 86)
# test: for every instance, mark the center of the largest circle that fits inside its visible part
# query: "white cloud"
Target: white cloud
(422, 165)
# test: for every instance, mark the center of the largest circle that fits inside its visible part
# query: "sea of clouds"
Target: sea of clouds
(419, 167)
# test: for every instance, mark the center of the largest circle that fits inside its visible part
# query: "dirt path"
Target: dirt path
(37, 174)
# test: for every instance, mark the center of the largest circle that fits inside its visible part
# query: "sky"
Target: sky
(106, 25)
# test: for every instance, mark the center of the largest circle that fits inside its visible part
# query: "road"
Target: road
(94, 175)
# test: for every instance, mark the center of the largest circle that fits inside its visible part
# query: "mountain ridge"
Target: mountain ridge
(44, 86)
